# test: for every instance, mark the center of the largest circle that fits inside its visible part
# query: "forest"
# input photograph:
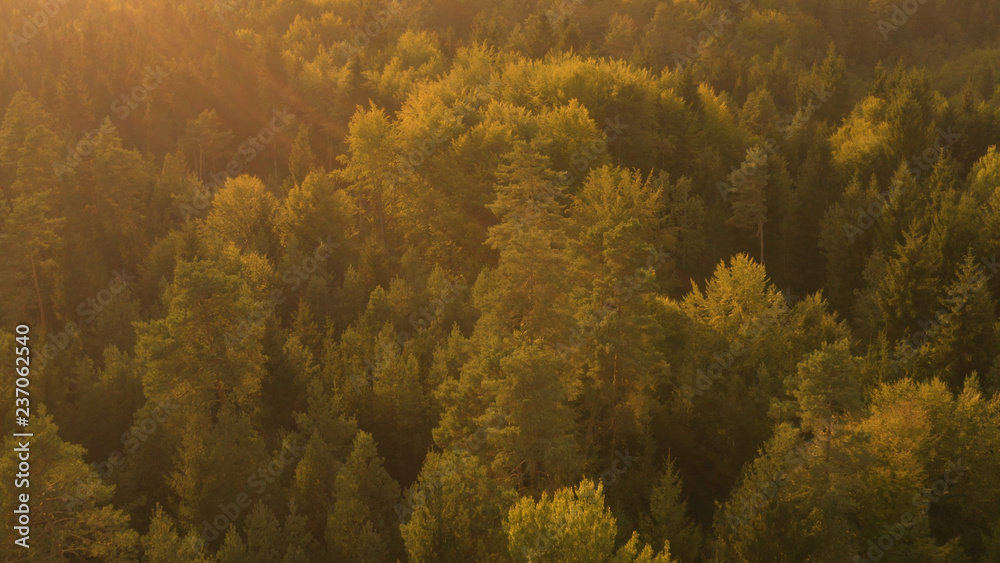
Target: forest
(622, 281)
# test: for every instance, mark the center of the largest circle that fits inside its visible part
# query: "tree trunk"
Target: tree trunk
(760, 235)
(38, 292)
(614, 405)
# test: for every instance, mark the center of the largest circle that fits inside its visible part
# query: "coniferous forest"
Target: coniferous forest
(514, 280)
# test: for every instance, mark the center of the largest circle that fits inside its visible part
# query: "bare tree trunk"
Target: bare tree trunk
(38, 292)
(614, 406)
(760, 235)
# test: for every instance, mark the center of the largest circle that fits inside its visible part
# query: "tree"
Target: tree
(362, 524)
(24, 116)
(301, 160)
(905, 292)
(263, 539)
(174, 187)
(759, 113)
(535, 447)
(245, 214)
(163, 543)
(570, 525)
(667, 521)
(266, 539)
(529, 286)
(316, 212)
(219, 466)
(826, 389)
(206, 352)
(31, 225)
(960, 338)
(454, 512)
(31, 237)
(621, 247)
(327, 433)
(724, 345)
(750, 199)
(121, 205)
(524, 305)
(205, 138)
(70, 511)
(620, 41)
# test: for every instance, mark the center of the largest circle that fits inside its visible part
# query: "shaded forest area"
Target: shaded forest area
(511, 280)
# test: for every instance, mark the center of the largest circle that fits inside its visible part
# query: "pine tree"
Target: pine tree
(316, 212)
(163, 543)
(205, 141)
(749, 200)
(667, 520)
(622, 241)
(245, 214)
(517, 368)
(961, 337)
(570, 525)
(362, 524)
(302, 160)
(206, 353)
(327, 434)
(219, 467)
(70, 513)
(454, 512)
(825, 388)
(31, 238)
(264, 542)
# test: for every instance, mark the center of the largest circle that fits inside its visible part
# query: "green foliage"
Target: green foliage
(403, 276)
(71, 517)
(571, 525)
(454, 511)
